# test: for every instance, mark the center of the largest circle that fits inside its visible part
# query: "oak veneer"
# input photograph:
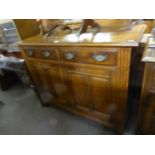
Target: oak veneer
(146, 119)
(87, 78)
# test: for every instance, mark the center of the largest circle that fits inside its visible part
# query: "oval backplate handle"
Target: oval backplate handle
(100, 57)
(30, 52)
(69, 55)
(46, 53)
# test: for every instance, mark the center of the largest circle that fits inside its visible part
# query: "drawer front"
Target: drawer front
(100, 56)
(88, 70)
(42, 64)
(42, 53)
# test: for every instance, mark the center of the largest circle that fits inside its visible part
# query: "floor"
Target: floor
(22, 114)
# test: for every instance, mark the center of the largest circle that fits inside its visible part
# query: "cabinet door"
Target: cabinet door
(149, 116)
(100, 93)
(47, 77)
(146, 118)
(89, 92)
(77, 89)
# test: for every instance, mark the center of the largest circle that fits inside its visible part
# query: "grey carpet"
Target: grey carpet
(22, 114)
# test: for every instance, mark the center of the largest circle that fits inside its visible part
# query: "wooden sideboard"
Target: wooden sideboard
(146, 119)
(89, 78)
(150, 24)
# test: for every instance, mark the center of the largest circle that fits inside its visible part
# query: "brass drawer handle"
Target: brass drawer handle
(46, 53)
(69, 55)
(30, 52)
(100, 57)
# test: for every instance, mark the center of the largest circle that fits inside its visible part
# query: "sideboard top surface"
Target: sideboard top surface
(128, 38)
(149, 52)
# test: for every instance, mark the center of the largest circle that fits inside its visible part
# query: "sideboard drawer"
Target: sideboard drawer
(42, 53)
(100, 56)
